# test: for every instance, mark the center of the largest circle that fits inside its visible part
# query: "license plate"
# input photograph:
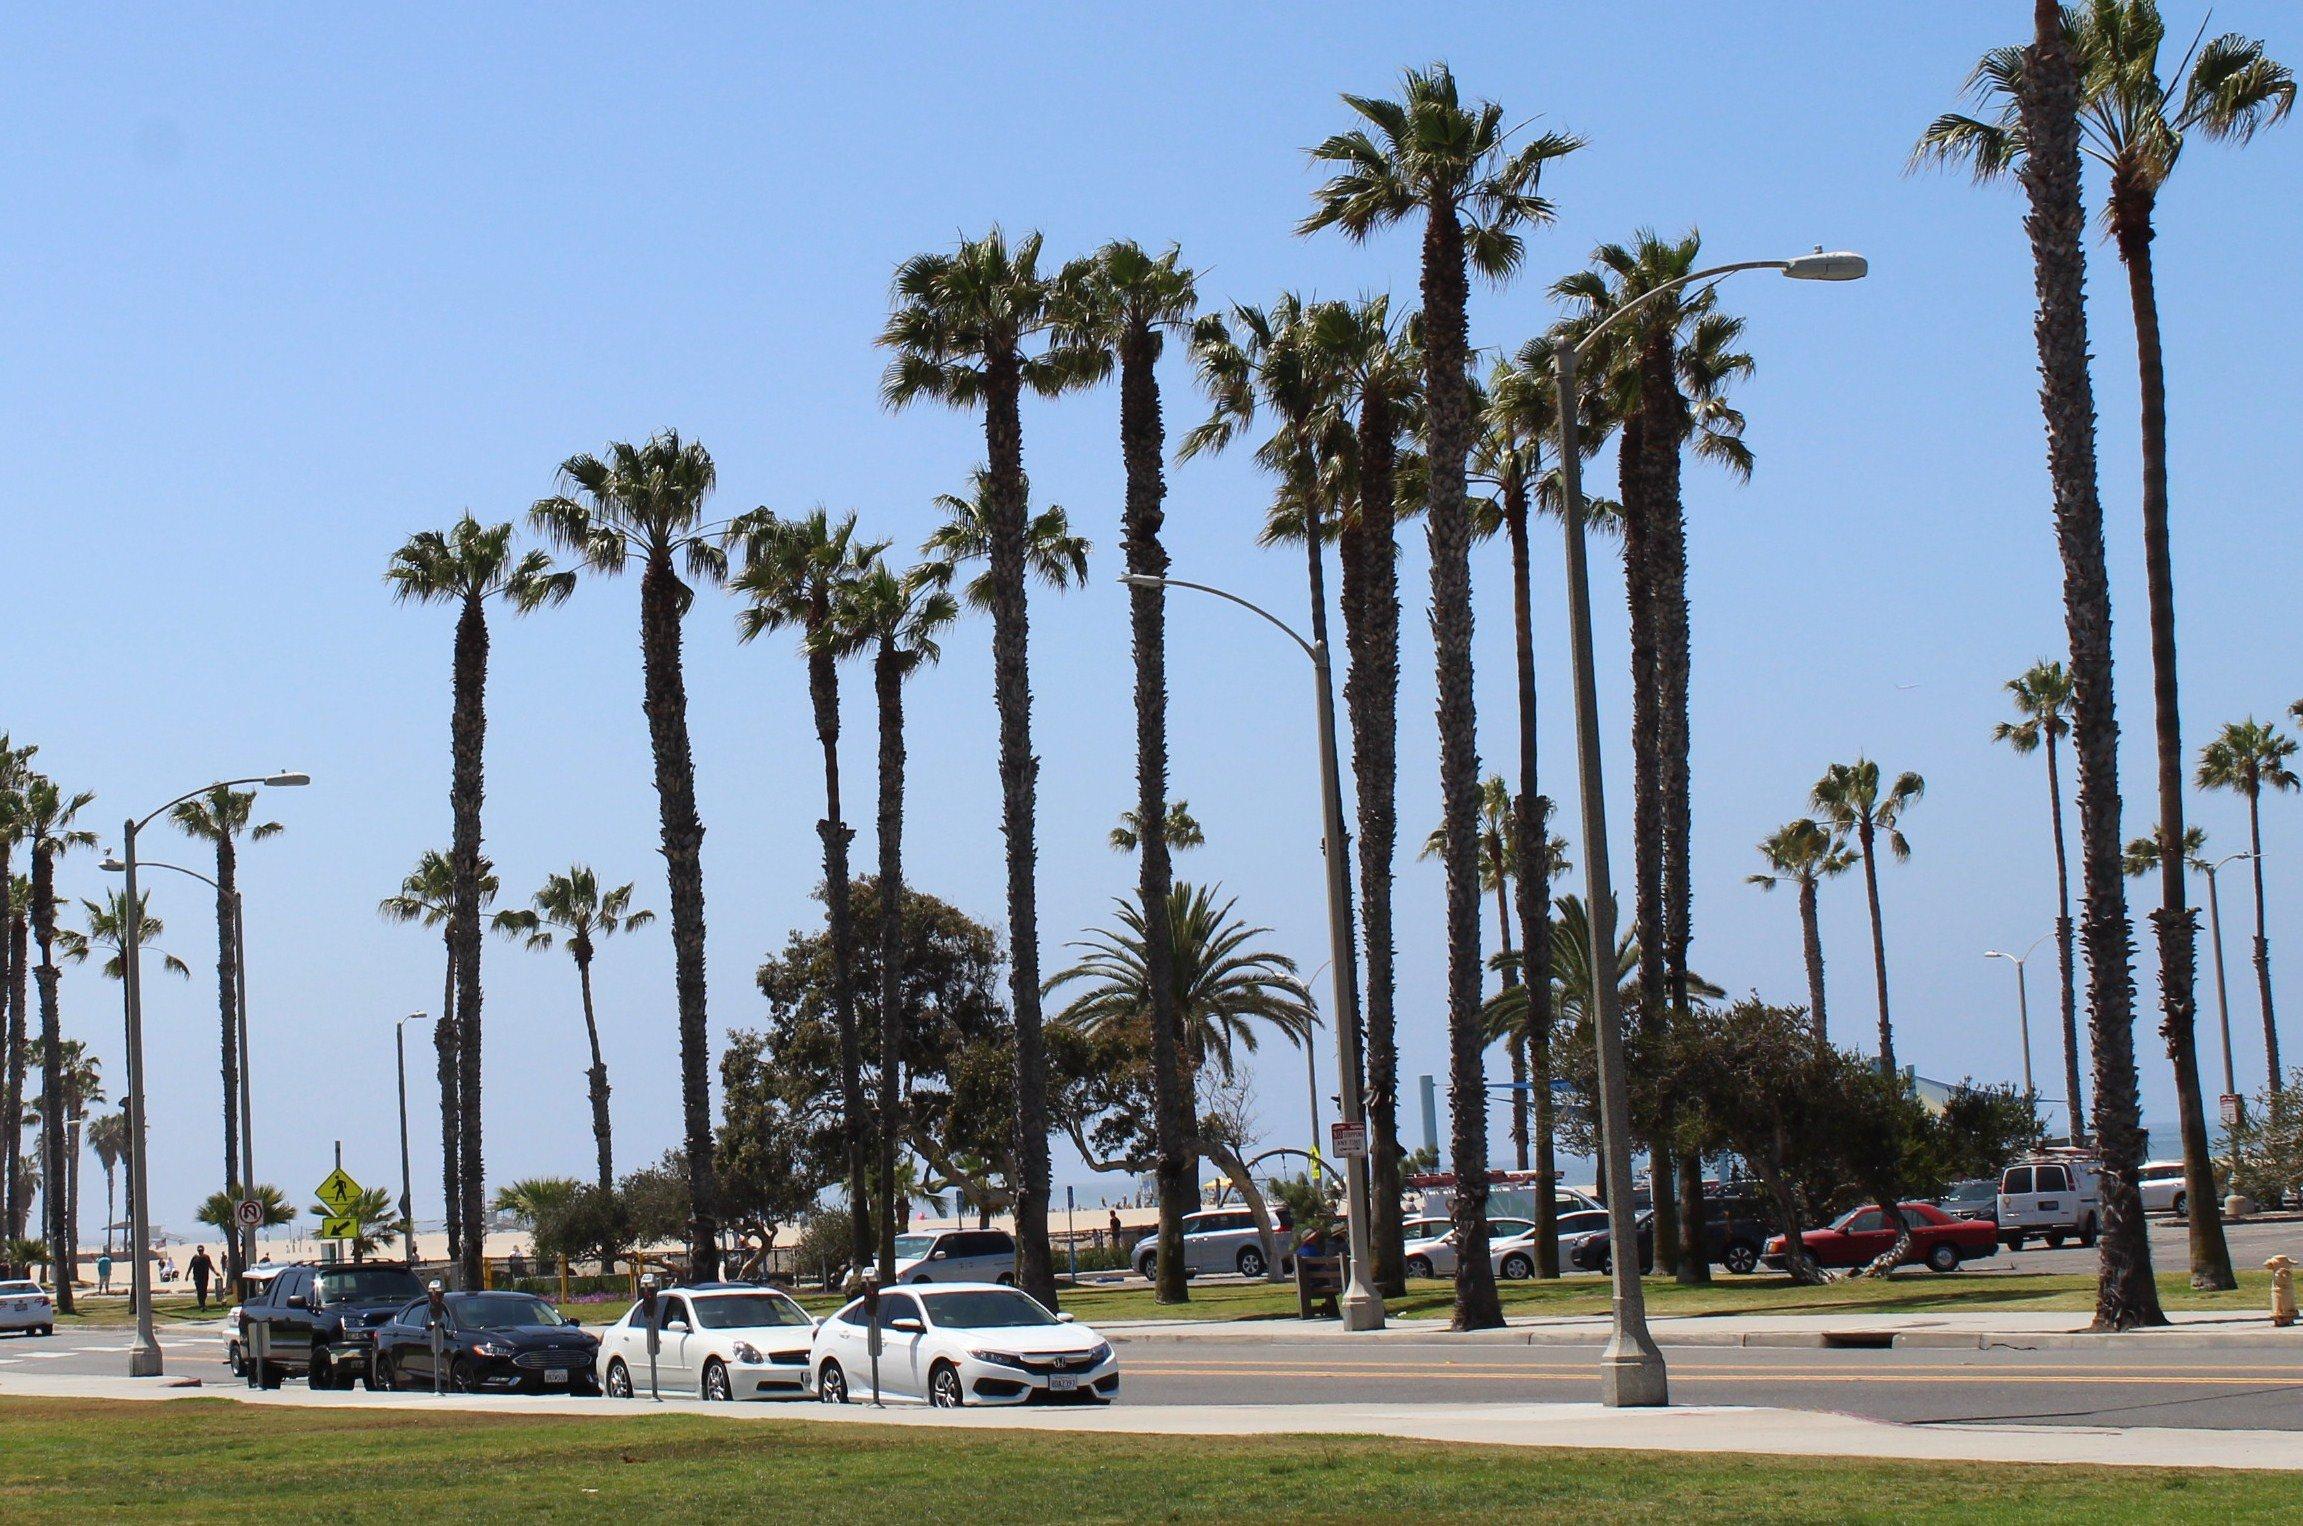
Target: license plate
(1063, 1382)
(555, 1374)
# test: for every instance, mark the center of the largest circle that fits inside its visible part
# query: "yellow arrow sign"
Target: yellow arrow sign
(335, 1228)
(339, 1191)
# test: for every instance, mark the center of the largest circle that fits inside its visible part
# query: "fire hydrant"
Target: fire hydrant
(2282, 1290)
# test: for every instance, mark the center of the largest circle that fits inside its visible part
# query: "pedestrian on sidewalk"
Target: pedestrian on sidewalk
(104, 1272)
(202, 1269)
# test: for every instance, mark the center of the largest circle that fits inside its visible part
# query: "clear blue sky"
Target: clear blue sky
(276, 291)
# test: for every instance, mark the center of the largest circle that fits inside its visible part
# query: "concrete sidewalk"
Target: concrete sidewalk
(1688, 1428)
(1968, 1331)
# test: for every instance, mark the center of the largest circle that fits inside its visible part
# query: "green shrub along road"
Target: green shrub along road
(207, 1459)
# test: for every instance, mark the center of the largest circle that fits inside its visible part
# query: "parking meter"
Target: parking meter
(871, 1297)
(436, 1326)
(648, 1312)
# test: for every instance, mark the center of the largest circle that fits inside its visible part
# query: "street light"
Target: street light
(1361, 1305)
(2215, 937)
(1311, 1076)
(1631, 1369)
(407, 1190)
(144, 1355)
(2023, 1008)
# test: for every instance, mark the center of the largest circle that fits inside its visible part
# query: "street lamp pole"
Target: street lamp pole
(1631, 1369)
(144, 1359)
(2215, 937)
(2023, 1002)
(1311, 1079)
(1360, 1305)
(407, 1190)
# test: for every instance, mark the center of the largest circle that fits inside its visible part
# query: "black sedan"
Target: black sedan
(1734, 1234)
(489, 1343)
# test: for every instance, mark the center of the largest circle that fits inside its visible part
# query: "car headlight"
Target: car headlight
(494, 1350)
(747, 1352)
(999, 1358)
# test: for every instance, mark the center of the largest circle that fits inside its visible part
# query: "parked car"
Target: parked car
(319, 1322)
(2161, 1183)
(1514, 1257)
(491, 1343)
(252, 1281)
(1434, 1254)
(1938, 1241)
(26, 1306)
(963, 1344)
(2053, 1197)
(718, 1341)
(957, 1255)
(1977, 1199)
(1735, 1236)
(1220, 1240)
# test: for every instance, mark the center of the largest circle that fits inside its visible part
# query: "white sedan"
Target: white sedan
(722, 1341)
(1514, 1256)
(962, 1343)
(25, 1305)
(1433, 1255)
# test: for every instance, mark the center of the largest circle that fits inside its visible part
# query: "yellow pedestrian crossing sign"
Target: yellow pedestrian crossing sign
(338, 1193)
(336, 1228)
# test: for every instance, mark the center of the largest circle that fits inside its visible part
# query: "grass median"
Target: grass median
(207, 1459)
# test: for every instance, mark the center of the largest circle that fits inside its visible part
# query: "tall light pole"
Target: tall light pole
(144, 1355)
(1631, 1369)
(1311, 1078)
(407, 1189)
(2023, 1003)
(2215, 937)
(1361, 1305)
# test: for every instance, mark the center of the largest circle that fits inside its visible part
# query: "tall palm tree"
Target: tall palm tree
(15, 774)
(18, 940)
(466, 566)
(108, 1142)
(81, 1087)
(645, 503)
(574, 907)
(1805, 853)
(2043, 696)
(797, 575)
(1498, 863)
(900, 619)
(108, 930)
(1119, 305)
(1432, 156)
(46, 819)
(427, 896)
(220, 817)
(1180, 827)
(1851, 802)
(2049, 101)
(2130, 124)
(2247, 757)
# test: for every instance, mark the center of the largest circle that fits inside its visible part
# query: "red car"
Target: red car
(1938, 1241)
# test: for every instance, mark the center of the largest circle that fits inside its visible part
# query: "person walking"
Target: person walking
(1115, 1214)
(202, 1269)
(104, 1272)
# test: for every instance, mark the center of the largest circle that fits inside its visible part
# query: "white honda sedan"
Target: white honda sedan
(721, 1341)
(962, 1343)
(26, 1306)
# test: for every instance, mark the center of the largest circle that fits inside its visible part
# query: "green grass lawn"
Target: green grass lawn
(208, 1459)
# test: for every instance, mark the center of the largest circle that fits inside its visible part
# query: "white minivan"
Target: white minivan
(957, 1255)
(1219, 1240)
(2050, 1197)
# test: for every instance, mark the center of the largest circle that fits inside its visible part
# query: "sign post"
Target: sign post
(2233, 1111)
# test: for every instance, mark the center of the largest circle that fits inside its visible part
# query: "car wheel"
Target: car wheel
(1250, 1261)
(619, 1380)
(380, 1376)
(1517, 1267)
(2055, 1241)
(232, 1359)
(717, 1388)
(920, 1281)
(268, 1375)
(462, 1379)
(1742, 1258)
(832, 1383)
(1943, 1258)
(322, 1374)
(1148, 1268)
(2181, 1207)
(944, 1391)
(1419, 1266)
(2014, 1244)
(2088, 1233)
(1006, 1279)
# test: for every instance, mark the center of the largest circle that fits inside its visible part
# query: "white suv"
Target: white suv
(1217, 1240)
(2162, 1185)
(2051, 1197)
(957, 1255)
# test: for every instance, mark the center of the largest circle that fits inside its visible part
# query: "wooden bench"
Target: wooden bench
(1318, 1279)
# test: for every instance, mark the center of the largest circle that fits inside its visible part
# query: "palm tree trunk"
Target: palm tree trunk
(1143, 441)
(2064, 951)
(2175, 922)
(1811, 943)
(1447, 395)
(602, 1142)
(444, 1046)
(11, 1050)
(2263, 942)
(1533, 872)
(824, 697)
(51, 1076)
(1516, 1044)
(888, 685)
(18, 1202)
(662, 599)
(1866, 833)
(468, 735)
(227, 997)
(2126, 1296)
(1019, 778)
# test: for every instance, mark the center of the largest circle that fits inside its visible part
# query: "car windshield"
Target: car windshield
(986, 1309)
(745, 1311)
(369, 1285)
(1971, 1192)
(504, 1311)
(912, 1247)
(17, 1289)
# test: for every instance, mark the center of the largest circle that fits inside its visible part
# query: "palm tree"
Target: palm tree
(1118, 306)
(1448, 163)
(427, 896)
(1498, 863)
(572, 905)
(371, 1207)
(108, 1141)
(797, 575)
(45, 819)
(108, 929)
(81, 1085)
(2043, 696)
(220, 817)
(218, 1208)
(535, 1198)
(18, 941)
(1804, 852)
(968, 330)
(2248, 757)
(901, 618)
(1849, 799)
(466, 566)
(15, 774)
(646, 503)
(1179, 826)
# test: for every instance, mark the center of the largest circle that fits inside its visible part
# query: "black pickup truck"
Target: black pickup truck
(319, 1322)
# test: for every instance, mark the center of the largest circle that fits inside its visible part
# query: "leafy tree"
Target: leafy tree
(1804, 852)
(2267, 1146)
(2246, 758)
(2043, 697)
(1851, 802)
(645, 503)
(1982, 1128)
(659, 1199)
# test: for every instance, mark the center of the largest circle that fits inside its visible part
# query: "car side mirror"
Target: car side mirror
(1067, 1318)
(676, 1327)
(905, 1324)
(298, 1301)
(938, 1256)
(573, 1321)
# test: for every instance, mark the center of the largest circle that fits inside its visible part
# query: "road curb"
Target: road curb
(1851, 1337)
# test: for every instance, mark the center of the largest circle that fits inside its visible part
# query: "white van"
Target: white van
(2051, 1197)
(957, 1255)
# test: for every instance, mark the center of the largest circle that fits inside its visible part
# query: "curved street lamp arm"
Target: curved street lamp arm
(1635, 304)
(195, 794)
(1308, 649)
